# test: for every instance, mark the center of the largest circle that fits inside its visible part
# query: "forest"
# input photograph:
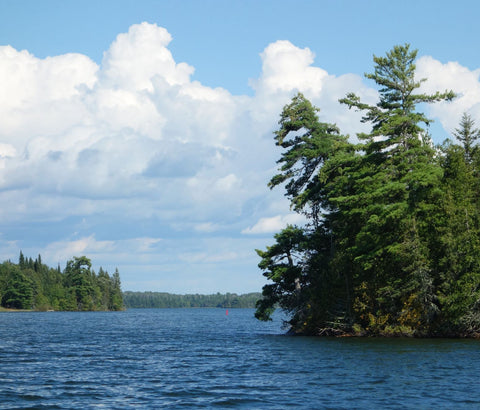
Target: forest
(30, 284)
(169, 300)
(391, 246)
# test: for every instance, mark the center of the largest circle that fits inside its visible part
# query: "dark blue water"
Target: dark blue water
(202, 358)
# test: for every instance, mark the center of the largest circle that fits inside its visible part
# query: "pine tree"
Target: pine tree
(367, 259)
(457, 256)
(18, 292)
(468, 135)
(21, 260)
(116, 298)
(78, 277)
(281, 265)
(394, 189)
(308, 144)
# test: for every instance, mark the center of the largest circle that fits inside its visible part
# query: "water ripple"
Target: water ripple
(201, 358)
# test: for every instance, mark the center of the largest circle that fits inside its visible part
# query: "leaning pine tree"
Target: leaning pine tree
(298, 264)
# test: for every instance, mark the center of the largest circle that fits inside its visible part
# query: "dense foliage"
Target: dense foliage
(168, 300)
(30, 284)
(392, 244)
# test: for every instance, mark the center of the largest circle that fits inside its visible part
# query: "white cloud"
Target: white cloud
(140, 151)
(136, 127)
(63, 250)
(274, 224)
(42, 96)
(122, 109)
(451, 76)
(7, 150)
(286, 68)
(138, 56)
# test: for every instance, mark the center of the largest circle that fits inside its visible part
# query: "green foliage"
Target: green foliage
(393, 243)
(308, 143)
(394, 118)
(467, 134)
(280, 265)
(168, 300)
(17, 290)
(33, 285)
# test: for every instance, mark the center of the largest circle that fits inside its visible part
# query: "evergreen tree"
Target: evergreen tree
(468, 135)
(392, 246)
(395, 188)
(457, 256)
(309, 165)
(308, 144)
(18, 292)
(116, 299)
(21, 260)
(281, 264)
(78, 276)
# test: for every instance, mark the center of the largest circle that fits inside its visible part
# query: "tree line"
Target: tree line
(30, 284)
(168, 300)
(392, 242)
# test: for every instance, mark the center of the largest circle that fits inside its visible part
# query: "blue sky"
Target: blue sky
(139, 134)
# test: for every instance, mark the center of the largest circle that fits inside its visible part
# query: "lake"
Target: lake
(204, 358)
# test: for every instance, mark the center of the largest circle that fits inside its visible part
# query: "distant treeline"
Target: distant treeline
(32, 285)
(168, 300)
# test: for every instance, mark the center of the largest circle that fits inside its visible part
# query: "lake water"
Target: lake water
(204, 358)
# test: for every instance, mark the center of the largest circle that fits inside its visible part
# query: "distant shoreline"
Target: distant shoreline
(8, 310)
(141, 300)
(164, 300)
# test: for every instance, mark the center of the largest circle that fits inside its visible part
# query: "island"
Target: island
(391, 243)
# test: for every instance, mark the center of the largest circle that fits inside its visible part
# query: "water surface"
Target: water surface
(204, 358)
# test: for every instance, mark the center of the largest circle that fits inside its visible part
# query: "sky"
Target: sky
(140, 134)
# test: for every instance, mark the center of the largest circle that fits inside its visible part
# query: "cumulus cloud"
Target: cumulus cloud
(137, 125)
(141, 151)
(451, 76)
(137, 57)
(286, 67)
